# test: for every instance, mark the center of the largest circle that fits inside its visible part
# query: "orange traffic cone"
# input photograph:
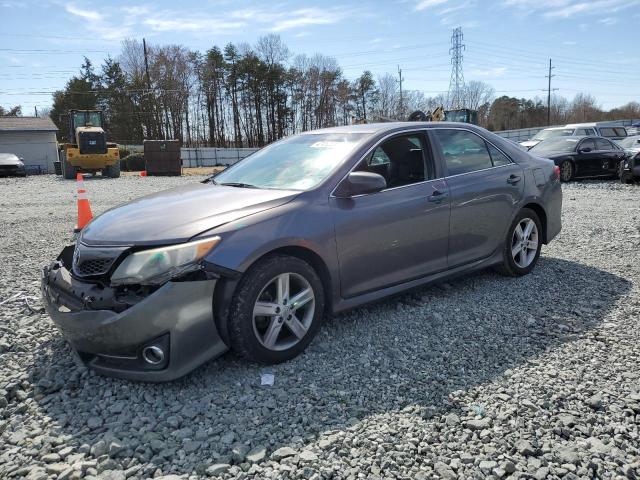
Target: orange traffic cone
(84, 209)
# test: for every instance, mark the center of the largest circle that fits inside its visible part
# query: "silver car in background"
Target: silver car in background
(253, 259)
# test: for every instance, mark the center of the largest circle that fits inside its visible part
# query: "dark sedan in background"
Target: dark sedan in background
(10, 164)
(582, 156)
(315, 223)
(630, 166)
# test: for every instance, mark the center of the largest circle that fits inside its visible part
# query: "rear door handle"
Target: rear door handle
(513, 179)
(437, 196)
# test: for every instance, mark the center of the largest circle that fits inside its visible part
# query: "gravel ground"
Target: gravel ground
(484, 376)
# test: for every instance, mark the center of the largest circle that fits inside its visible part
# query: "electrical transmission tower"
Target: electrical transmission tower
(455, 97)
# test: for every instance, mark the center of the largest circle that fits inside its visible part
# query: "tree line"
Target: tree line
(247, 96)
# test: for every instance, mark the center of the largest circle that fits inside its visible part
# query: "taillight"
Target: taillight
(556, 172)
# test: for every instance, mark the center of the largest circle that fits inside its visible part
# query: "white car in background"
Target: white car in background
(613, 132)
(553, 132)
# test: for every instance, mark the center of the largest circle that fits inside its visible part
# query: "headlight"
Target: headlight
(158, 265)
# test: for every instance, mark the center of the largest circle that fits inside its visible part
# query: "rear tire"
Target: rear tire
(112, 171)
(566, 171)
(286, 329)
(522, 245)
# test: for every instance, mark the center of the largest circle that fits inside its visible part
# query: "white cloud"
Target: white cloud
(571, 8)
(608, 21)
(309, 16)
(489, 72)
(424, 4)
(112, 24)
(86, 14)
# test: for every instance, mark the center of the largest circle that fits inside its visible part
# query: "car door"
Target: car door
(397, 234)
(485, 185)
(606, 155)
(587, 158)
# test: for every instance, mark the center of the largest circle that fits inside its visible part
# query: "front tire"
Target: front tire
(566, 171)
(624, 177)
(522, 245)
(276, 310)
(68, 170)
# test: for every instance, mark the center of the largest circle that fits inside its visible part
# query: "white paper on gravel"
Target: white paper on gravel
(267, 379)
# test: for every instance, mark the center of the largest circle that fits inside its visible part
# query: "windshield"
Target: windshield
(544, 134)
(557, 145)
(296, 163)
(630, 142)
(82, 119)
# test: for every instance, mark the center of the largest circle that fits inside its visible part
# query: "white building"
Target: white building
(31, 138)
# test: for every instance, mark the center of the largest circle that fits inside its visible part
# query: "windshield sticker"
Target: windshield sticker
(327, 144)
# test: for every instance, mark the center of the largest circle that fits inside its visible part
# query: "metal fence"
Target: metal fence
(211, 156)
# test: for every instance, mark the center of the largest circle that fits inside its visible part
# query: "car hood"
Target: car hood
(551, 154)
(9, 160)
(176, 215)
(530, 143)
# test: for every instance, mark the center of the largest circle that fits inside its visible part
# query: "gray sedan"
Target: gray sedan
(252, 259)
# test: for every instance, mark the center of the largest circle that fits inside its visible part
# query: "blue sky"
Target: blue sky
(594, 44)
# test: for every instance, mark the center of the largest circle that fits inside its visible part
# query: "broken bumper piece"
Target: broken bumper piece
(160, 337)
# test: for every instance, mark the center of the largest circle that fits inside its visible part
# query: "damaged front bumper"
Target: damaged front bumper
(158, 337)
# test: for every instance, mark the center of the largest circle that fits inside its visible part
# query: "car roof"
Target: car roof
(372, 128)
(8, 156)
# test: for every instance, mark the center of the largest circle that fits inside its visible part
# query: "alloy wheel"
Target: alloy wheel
(524, 243)
(283, 311)
(566, 171)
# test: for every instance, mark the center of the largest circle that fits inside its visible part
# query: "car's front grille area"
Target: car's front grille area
(94, 261)
(94, 267)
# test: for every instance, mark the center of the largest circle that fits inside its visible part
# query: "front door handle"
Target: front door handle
(437, 196)
(513, 179)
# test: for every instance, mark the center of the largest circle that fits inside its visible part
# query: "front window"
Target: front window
(299, 162)
(87, 119)
(630, 142)
(545, 134)
(561, 145)
(400, 160)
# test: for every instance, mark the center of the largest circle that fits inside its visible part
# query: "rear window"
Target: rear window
(563, 144)
(608, 132)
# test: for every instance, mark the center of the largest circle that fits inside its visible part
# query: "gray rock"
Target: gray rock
(228, 438)
(444, 471)
(488, 465)
(452, 419)
(218, 469)
(256, 454)
(94, 422)
(282, 452)
(595, 401)
(525, 448)
(478, 424)
(308, 456)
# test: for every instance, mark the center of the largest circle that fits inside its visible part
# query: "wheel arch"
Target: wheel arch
(226, 287)
(542, 215)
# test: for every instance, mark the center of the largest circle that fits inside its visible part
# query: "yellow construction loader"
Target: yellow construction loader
(87, 150)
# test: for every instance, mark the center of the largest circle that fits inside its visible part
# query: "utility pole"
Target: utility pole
(549, 94)
(35, 109)
(400, 79)
(146, 63)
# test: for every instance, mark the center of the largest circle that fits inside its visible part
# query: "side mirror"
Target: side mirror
(359, 183)
(584, 150)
